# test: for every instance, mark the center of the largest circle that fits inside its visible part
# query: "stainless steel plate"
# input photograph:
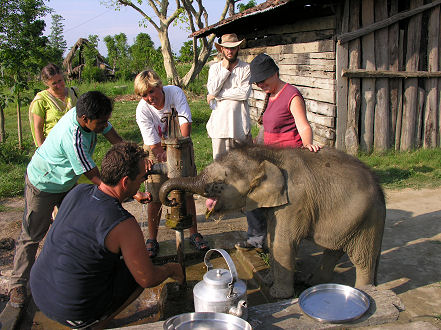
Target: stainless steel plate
(206, 320)
(333, 303)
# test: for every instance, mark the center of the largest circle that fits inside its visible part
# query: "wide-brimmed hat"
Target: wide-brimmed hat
(262, 67)
(229, 40)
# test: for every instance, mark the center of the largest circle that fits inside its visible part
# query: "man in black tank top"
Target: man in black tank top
(79, 278)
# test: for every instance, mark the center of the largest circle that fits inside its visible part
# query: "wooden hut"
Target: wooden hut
(369, 70)
(75, 72)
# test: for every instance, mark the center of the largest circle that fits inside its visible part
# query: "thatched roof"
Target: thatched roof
(67, 63)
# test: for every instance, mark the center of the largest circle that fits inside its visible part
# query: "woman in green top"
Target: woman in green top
(50, 105)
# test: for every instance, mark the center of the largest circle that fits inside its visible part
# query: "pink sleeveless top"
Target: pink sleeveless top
(278, 122)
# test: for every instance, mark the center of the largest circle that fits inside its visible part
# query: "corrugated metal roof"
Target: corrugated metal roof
(263, 7)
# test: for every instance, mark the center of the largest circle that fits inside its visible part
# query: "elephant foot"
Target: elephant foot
(281, 292)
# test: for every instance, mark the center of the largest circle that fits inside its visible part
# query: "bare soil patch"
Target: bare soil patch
(411, 250)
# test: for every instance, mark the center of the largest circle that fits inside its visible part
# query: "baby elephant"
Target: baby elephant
(329, 197)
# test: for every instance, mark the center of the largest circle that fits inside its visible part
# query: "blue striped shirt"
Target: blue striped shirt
(64, 156)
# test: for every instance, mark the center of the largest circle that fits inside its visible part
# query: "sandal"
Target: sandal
(198, 242)
(154, 247)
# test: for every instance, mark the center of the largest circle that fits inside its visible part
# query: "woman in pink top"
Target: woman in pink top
(284, 117)
(284, 125)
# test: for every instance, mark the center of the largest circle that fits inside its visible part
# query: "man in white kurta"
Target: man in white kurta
(228, 91)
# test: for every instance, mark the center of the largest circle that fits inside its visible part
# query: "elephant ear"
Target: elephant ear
(267, 188)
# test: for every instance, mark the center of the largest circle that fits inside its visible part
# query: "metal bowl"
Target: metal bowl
(334, 303)
(206, 320)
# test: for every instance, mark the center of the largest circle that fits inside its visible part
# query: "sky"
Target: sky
(85, 17)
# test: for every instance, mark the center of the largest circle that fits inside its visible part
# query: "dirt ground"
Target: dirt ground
(411, 249)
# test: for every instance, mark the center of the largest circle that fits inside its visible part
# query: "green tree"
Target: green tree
(112, 51)
(118, 55)
(144, 55)
(124, 71)
(91, 71)
(186, 52)
(250, 4)
(57, 44)
(197, 18)
(22, 46)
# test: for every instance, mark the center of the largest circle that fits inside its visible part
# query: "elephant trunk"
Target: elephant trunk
(194, 185)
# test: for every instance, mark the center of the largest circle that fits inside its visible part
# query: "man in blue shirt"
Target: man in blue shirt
(53, 171)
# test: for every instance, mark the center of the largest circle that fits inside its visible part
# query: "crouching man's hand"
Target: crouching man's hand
(176, 272)
(143, 197)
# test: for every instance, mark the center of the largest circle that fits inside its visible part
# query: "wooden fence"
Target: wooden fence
(387, 75)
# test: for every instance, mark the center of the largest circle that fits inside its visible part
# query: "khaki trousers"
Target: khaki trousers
(36, 221)
(223, 145)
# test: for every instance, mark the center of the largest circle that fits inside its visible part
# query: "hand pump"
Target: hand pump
(180, 163)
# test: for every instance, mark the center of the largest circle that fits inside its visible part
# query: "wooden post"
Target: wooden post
(394, 35)
(431, 85)
(381, 125)
(368, 85)
(419, 116)
(342, 82)
(351, 135)
(438, 140)
(410, 104)
(399, 93)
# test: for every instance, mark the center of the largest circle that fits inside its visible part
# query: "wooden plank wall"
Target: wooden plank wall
(305, 54)
(390, 110)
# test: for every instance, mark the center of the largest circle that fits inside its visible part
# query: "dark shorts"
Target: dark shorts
(124, 286)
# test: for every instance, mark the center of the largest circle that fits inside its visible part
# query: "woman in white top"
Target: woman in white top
(156, 100)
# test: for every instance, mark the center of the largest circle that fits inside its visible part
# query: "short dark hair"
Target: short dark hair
(94, 105)
(121, 160)
(49, 71)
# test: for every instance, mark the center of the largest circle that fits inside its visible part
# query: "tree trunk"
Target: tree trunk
(169, 62)
(19, 128)
(2, 126)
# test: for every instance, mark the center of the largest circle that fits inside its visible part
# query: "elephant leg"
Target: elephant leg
(283, 267)
(325, 270)
(283, 247)
(366, 248)
(365, 258)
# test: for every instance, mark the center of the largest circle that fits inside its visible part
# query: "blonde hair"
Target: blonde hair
(146, 80)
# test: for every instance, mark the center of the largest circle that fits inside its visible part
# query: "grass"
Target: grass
(396, 170)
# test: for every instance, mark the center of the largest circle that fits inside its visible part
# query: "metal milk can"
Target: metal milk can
(221, 290)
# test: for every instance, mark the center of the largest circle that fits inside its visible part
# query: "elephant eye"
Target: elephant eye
(215, 188)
